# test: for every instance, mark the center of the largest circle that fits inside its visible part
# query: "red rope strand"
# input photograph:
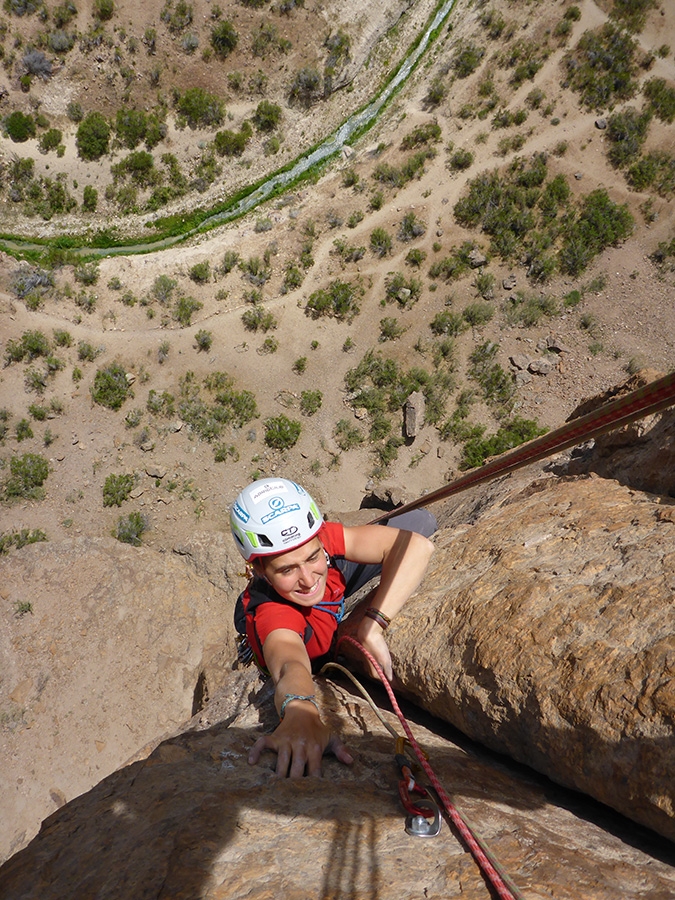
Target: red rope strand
(488, 865)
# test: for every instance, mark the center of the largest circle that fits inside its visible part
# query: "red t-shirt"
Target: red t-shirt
(316, 626)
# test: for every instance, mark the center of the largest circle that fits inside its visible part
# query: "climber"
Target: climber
(301, 569)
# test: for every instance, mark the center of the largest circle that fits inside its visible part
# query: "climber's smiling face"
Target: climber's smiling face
(298, 575)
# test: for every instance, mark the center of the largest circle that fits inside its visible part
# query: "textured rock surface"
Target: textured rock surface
(641, 455)
(194, 820)
(546, 630)
(109, 658)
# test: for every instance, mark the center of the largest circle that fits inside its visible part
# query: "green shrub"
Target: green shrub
(602, 67)
(111, 387)
(390, 329)
(626, 130)
(601, 223)
(632, 14)
(103, 10)
(258, 319)
(310, 402)
(661, 97)
(204, 340)
(497, 385)
(230, 143)
(161, 404)
(130, 529)
(116, 489)
(380, 242)
(200, 273)
(19, 127)
(19, 539)
(282, 433)
(339, 300)
(513, 433)
(27, 475)
(184, 309)
(224, 39)
(528, 310)
(448, 323)
(300, 365)
(93, 137)
(89, 198)
(477, 314)
(199, 109)
(415, 257)
(23, 430)
(467, 59)
(422, 135)
(50, 140)
(347, 436)
(266, 116)
(131, 126)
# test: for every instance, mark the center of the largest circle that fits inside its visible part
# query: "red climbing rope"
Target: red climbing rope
(488, 865)
(651, 398)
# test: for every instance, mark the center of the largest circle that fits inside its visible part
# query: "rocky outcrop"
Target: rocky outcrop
(546, 630)
(110, 656)
(193, 819)
(641, 455)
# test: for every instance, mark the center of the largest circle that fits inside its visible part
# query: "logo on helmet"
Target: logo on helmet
(290, 532)
(240, 512)
(279, 511)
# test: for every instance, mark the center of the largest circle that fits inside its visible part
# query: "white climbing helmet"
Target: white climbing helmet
(273, 515)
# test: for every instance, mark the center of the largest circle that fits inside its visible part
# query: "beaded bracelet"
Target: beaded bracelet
(378, 616)
(289, 697)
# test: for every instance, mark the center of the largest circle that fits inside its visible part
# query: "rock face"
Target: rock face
(641, 455)
(546, 630)
(193, 819)
(110, 657)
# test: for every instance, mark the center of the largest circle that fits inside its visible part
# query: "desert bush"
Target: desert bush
(380, 242)
(498, 386)
(306, 86)
(116, 489)
(405, 291)
(163, 288)
(436, 93)
(22, 7)
(415, 257)
(86, 352)
(184, 308)
(131, 126)
(293, 278)
(422, 135)
(33, 344)
(410, 227)
(23, 430)
(34, 62)
(19, 127)
(130, 529)
(89, 198)
(339, 300)
(478, 314)
(282, 433)
(627, 131)
(258, 319)
(163, 404)
(21, 538)
(467, 59)
(93, 137)
(602, 68)
(310, 402)
(200, 273)
(448, 323)
(347, 436)
(224, 38)
(50, 140)
(528, 310)
(204, 340)
(199, 109)
(27, 474)
(661, 97)
(632, 14)
(601, 223)
(300, 365)
(390, 329)
(230, 143)
(511, 434)
(110, 387)
(455, 265)
(461, 160)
